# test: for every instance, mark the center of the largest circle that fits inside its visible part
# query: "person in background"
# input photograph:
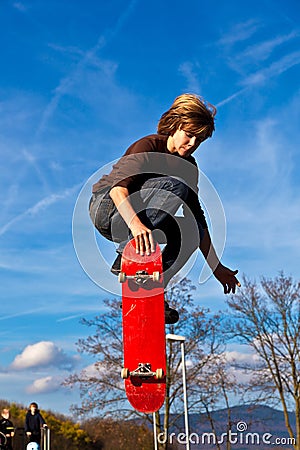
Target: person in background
(7, 428)
(34, 421)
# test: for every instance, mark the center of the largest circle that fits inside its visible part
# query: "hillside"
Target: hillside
(251, 425)
(94, 434)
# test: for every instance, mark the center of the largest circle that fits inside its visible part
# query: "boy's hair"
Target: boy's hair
(33, 404)
(192, 114)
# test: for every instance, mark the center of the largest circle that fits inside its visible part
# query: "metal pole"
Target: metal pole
(186, 414)
(46, 438)
(181, 339)
(154, 432)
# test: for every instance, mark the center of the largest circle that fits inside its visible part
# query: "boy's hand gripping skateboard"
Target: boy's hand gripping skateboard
(143, 329)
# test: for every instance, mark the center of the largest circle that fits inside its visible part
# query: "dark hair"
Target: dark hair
(33, 404)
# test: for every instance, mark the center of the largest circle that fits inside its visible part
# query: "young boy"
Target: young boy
(7, 428)
(34, 421)
(155, 176)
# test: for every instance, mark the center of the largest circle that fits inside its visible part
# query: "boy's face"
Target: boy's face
(5, 414)
(184, 143)
(33, 409)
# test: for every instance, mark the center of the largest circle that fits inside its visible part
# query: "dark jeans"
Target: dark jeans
(8, 445)
(35, 437)
(156, 204)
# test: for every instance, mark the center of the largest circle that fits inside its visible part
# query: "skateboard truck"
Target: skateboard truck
(140, 277)
(143, 371)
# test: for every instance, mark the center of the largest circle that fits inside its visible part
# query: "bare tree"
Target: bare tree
(204, 346)
(102, 389)
(111, 434)
(267, 318)
(212, 390)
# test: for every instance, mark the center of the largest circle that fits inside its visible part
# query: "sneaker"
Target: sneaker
(171, 315)
(116, 267)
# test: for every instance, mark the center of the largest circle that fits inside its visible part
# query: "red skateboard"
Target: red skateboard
(144, 342)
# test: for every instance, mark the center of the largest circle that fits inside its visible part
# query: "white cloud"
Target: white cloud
(20, 6)
(231, 97)
(189, 71)
(69, 82)
(42, 354)
(275, 69)
(41, 205)
(237, 357)
(44, 385)
(264, 216)
(263, 50)
(255, 55)
(93, 370)
(240, 32)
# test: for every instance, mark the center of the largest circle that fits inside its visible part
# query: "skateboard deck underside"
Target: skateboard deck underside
(143, 331)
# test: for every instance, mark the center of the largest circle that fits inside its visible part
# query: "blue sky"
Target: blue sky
(79, 82)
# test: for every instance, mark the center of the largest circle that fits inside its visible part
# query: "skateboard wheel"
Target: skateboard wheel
(122, 277)
(124, 373)
(156, 276)
(159, 374)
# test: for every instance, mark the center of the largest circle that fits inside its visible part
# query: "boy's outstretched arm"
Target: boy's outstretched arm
(223, 274)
